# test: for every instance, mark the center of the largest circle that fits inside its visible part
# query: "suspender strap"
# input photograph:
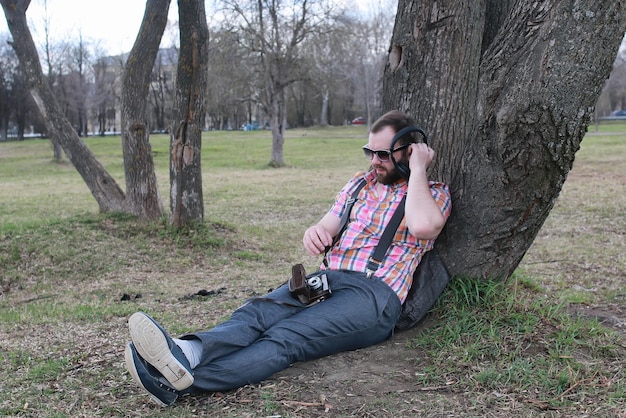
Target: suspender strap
(385, 240)
(348, 208)
(345, 218)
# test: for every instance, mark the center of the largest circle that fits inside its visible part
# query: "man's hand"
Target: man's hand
(422, 213)
(420, 157)
(316, 239)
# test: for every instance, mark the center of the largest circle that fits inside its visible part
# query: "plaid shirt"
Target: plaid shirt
(370, 214)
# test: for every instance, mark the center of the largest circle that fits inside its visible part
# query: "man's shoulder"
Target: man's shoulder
(360, 178)
(439, 185)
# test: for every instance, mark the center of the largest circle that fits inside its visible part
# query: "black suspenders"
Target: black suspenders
(385, 240)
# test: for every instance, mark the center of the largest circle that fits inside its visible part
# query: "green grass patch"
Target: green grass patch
(506, 337)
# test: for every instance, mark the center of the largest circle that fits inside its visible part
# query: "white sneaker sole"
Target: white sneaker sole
(152, 346)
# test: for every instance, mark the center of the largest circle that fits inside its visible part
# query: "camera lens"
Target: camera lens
(315, 282)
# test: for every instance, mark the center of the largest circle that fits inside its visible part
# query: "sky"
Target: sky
(114, 23)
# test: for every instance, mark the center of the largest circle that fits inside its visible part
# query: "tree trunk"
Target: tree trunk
(278, 118)
(324, 111)
(103, 187)
(186, 201)
(506, 91)
(141, 183)
(57, 151)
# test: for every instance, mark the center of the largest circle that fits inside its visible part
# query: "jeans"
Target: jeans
(263, 337)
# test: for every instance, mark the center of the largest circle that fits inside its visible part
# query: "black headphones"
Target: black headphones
(403, 169)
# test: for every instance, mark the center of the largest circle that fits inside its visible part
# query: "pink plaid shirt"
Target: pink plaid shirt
(370, 214)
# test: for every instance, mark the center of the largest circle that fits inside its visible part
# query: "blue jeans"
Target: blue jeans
(263, 337)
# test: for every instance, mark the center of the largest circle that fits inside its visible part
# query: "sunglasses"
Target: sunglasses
(383, 155)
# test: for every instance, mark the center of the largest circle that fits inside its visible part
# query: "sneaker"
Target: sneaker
(158, 349)
(148, 378)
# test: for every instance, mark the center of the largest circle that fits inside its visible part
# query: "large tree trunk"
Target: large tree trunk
(186, 199)
(142, 190)
(506, 91)
(103, 187)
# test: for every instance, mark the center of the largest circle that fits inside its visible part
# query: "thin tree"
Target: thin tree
(57, 151)
(7, 62)
(143, 197)
(162, 86)
(186, 201)
(103, 187)
(229, 88)
(141, 183)
(103, 95)
(506, 90)
(76, 84)
(273, 30)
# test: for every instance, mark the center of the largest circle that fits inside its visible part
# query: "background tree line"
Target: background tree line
(331, 75)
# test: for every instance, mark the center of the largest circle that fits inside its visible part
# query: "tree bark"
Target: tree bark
(142, 190)
(506, 91)
(103, 187)
(186, 200)
(277, 118)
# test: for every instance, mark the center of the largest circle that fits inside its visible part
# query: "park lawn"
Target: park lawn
(548, 342)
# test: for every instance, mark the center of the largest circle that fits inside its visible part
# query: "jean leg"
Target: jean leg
(246, 324)
(360, 313)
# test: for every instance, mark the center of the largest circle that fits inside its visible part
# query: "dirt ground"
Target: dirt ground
(378, 381)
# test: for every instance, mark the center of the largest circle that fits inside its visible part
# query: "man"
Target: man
(269, 333)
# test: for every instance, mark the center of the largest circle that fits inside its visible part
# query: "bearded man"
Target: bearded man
(268, 334)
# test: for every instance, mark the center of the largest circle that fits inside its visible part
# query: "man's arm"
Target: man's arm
(320, 235)
(424, 219)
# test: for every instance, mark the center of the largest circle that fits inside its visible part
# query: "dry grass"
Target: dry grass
(580, 252)
(70, 279)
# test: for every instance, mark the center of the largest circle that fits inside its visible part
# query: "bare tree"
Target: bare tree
(141, 184)
(613, 95)
(273, 31)
(371, 38)
(143, 196)
(8, 69)
(76, 85)
(102, 100)
(506, 90)
(103, 187)
(230, 89)
(324, 55)
(48, 59)
(21, 103)
(162, 87)
(186, 135)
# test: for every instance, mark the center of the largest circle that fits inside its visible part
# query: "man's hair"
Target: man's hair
(397, 120)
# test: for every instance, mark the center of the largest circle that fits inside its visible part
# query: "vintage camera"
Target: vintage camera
(308, 290)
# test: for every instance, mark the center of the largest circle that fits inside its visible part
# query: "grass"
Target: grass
(531, 347)
(548, 342)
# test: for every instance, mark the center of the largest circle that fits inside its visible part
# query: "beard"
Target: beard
(385, 176)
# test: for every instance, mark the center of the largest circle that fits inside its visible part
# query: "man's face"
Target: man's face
(386, 172)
